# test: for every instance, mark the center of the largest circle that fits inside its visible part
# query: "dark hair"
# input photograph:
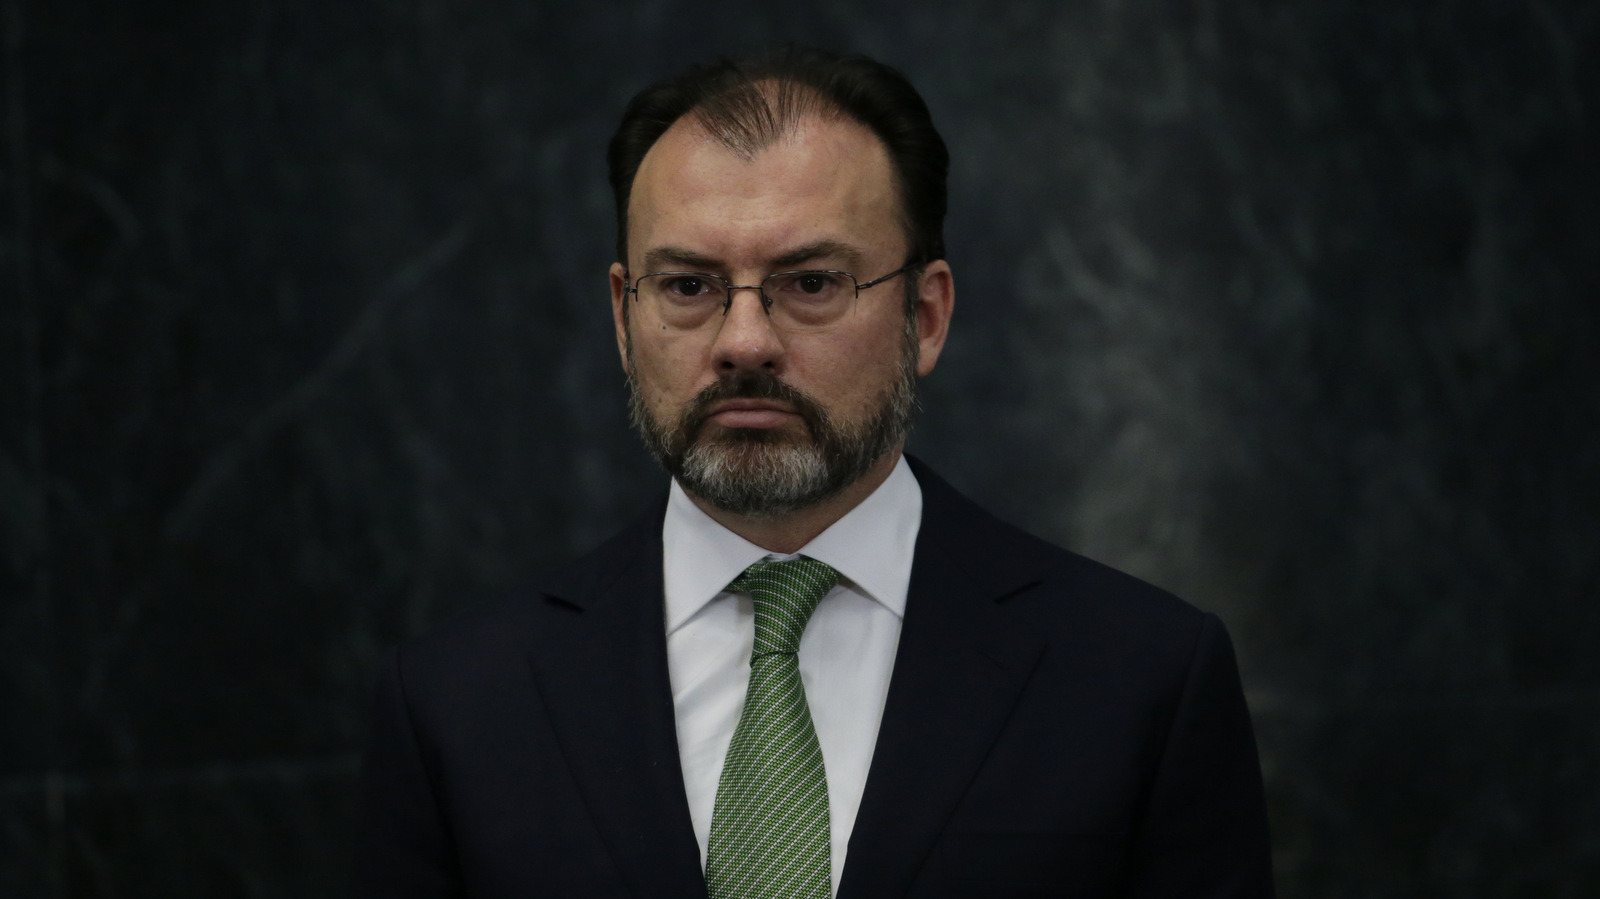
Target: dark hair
(727, 98)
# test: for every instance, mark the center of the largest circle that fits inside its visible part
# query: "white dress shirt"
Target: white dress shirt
(846, 654)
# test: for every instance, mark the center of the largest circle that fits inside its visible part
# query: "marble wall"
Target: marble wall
(304, 344)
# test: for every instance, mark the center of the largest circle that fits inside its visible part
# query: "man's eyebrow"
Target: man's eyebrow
(821, 249)
(678, 258)
(663, 258)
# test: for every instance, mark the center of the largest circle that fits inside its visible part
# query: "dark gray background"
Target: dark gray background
(1289, 308)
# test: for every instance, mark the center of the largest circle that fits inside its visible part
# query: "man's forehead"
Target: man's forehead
(827, 167)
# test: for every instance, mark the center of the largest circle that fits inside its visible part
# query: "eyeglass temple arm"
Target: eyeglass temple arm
(876, 281)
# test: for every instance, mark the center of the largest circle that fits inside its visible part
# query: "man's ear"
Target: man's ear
(619, 296)
(936, 303)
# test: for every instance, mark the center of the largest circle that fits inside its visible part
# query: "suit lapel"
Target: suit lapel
(957, 674)
(602, 673)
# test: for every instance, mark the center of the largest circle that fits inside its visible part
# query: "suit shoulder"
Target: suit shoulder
(1096, 613)
(1085, 586)
(506, 626)
(1048, 574)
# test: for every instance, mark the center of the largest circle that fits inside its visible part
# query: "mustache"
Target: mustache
(756, 386)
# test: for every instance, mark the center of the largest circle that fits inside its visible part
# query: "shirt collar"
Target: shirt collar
(871, 546)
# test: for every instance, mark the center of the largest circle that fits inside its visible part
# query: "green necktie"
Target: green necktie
(769, 831)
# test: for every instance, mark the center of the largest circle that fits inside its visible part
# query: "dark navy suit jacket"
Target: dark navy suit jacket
(1052, 728)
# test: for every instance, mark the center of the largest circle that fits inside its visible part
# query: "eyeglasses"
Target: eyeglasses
(796, 301)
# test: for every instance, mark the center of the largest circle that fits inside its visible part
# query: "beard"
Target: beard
(766, 473)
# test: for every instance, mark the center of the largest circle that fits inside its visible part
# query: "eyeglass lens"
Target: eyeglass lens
(796, 300)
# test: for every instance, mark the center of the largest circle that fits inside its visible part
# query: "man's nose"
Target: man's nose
(746, 340)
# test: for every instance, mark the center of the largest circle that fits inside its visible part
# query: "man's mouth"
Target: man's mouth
(759, 407)
(743, 412)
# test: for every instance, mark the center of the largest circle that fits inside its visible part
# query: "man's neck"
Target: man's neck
(788, 533)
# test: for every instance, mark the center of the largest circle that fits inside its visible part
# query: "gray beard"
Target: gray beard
(760, 474)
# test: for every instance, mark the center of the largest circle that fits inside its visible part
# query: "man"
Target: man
(813, 669)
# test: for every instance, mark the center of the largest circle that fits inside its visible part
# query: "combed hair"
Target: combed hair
(748, 103)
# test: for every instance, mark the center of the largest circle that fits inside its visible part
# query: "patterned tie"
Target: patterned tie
(770, 834)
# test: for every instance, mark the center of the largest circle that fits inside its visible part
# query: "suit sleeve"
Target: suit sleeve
(403, 848)
(1204, 831)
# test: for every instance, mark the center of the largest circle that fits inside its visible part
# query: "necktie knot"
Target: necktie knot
(785, 594)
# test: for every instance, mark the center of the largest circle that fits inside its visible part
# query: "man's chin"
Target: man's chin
(753, 450)
(715, 435)
(760, 478)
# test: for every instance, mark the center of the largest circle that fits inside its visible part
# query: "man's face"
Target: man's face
(750, 417)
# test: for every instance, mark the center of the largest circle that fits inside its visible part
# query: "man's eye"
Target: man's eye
(808, 287)
(689, 287)
(812, 283)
